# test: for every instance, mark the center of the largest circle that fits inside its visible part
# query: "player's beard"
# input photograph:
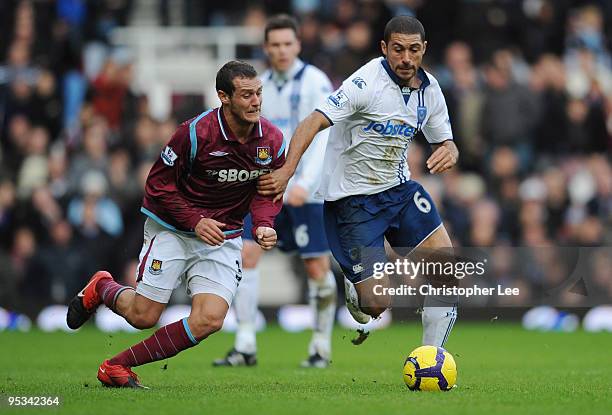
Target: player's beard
(406, 78)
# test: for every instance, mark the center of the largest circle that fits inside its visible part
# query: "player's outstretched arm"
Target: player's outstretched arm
(444, 157)
(275, 183)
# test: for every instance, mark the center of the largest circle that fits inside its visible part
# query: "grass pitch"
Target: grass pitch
(502, 370)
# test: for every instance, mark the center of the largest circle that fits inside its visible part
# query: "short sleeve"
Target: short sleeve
(438, 127)
(349, 99)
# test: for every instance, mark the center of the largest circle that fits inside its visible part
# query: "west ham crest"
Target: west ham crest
(156, 267)
(263, 156)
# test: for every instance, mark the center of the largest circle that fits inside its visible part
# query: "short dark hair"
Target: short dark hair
(231, 70)
(281, 21)
(406, 25)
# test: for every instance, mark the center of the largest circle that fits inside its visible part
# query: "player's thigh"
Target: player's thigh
(417, 221)
(251, 254)
(215, 270)
(162, 262)
(439, 239)
(355, 236)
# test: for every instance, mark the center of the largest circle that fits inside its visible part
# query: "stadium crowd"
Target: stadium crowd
(528, 84)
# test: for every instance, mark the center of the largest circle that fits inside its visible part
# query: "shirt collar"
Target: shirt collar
(281, 77)
(420, 74)
(229, 135)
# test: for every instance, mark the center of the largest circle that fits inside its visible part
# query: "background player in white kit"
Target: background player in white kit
(369, 196)
(292, 89)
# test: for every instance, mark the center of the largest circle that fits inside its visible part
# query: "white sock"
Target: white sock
(245, 306)
(322, 295)
(352, 303)
(439, 316)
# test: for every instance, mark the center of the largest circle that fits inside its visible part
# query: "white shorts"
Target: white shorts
(167, 257)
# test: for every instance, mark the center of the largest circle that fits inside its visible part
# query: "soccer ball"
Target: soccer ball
(430, 368)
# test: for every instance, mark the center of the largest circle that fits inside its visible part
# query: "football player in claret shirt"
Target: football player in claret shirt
(292, 89)
(196, 197)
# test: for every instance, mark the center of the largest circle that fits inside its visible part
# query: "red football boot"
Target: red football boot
(85, 303)
(117, 376)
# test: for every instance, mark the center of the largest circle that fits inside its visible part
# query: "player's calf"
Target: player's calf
(203, 326)
(322, 294)
(372, 300)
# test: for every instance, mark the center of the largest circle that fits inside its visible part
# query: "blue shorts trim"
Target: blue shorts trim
(357, 226)
(299, 229)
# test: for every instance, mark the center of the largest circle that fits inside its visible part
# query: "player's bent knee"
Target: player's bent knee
(203, 326)
(143, 321)
(316, 268)
(144, 313)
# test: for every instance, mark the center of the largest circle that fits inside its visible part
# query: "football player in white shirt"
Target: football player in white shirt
(292, 89)
(366, 184)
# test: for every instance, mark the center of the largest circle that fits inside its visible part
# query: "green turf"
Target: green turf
(502, 370)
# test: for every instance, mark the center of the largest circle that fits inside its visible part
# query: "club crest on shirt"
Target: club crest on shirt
(156, 267)
(263, 156)
(421, 113)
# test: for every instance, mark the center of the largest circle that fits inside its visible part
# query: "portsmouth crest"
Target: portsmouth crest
(421, 113)
(156, 267)
(264, 156)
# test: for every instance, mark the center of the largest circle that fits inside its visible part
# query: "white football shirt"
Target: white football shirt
(290, 97)
(374, 120)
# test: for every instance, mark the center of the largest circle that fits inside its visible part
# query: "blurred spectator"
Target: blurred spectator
(509, 113)
(358, 49)
(109, 90)
(7, 213)
(61, 265)
(460, 81)
(93, 209)
(94, 155)
(16, 267)
(34, 168)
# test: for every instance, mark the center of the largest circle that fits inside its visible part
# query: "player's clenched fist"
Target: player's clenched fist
(266, 237)
(209, 230)
(443, 158)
